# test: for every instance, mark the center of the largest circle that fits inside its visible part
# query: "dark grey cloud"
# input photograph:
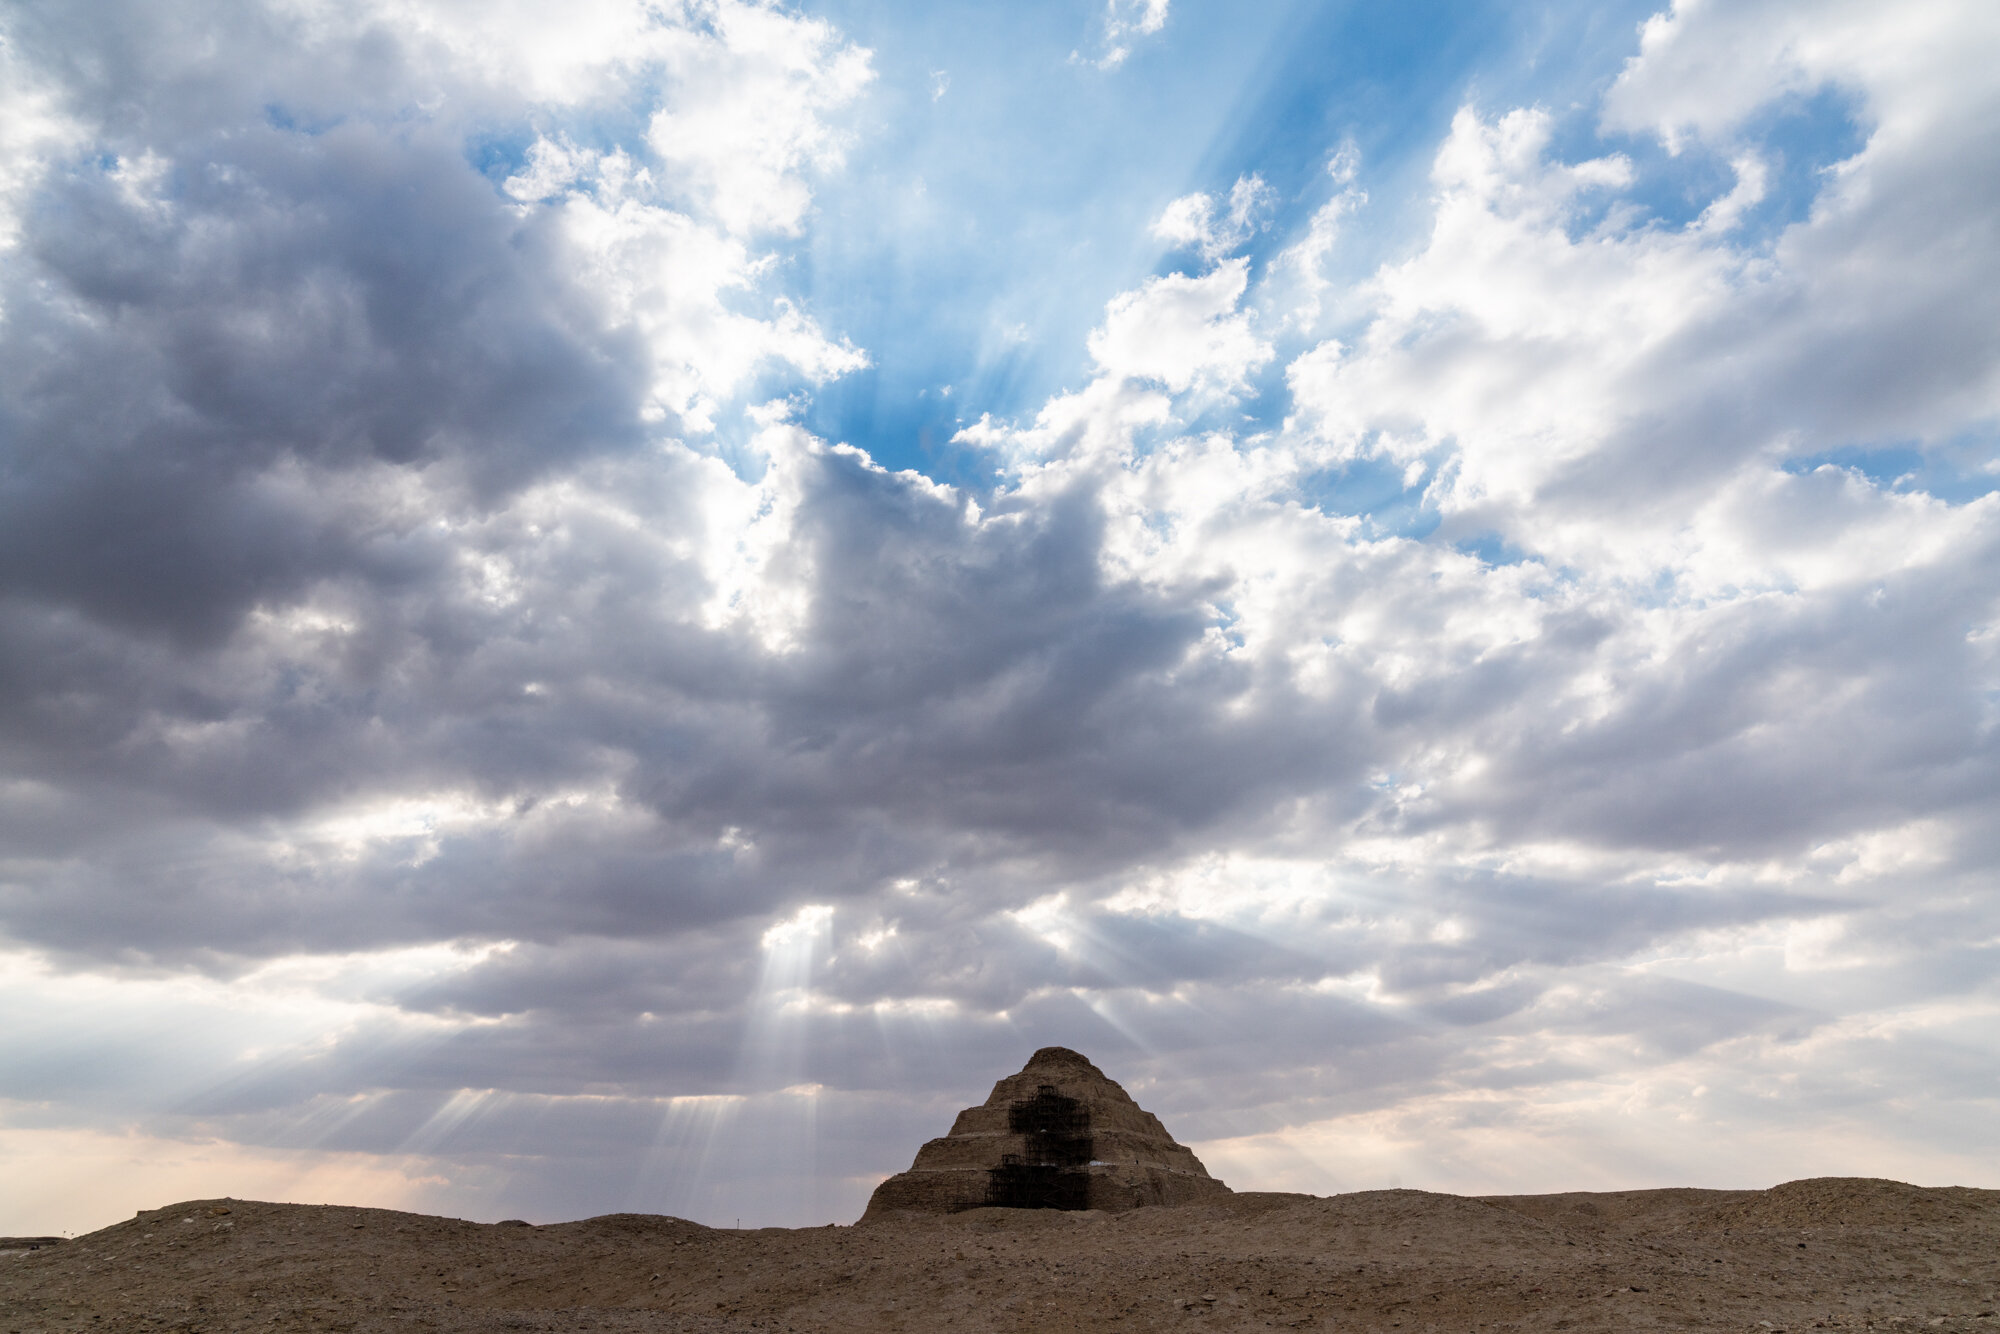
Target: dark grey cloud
(317, 303)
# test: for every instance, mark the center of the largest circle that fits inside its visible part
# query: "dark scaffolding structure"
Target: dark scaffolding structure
(1052, 1170)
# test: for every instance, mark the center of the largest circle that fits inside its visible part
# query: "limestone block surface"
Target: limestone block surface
(1058, 1135)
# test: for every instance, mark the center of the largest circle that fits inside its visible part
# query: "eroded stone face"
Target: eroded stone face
(1058, 1135)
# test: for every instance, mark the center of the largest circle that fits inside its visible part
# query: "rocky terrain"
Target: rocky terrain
(1834, 1253)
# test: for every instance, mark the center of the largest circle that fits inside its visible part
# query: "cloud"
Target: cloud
(1193, 221)
(35, 131)
(1296, 284)
(1124, 22)
(748, 110)
(330, 327)
(443, 675)
(1181, 332)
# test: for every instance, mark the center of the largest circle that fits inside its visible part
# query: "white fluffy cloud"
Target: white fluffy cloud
(1182, 332)
(1214, 228)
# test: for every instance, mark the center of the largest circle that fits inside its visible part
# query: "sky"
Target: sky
(620, 606)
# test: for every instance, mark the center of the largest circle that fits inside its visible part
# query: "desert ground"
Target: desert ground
(1832, 1253)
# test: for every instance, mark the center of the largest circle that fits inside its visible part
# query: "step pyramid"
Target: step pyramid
(1059, 1135)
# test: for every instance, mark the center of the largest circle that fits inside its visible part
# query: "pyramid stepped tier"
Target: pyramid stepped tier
(1059, 1135)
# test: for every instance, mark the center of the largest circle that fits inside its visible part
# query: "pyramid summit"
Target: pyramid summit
(1058, 1135)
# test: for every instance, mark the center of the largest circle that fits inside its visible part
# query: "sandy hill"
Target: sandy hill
(1833, 1253)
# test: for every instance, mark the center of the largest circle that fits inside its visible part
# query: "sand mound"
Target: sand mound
(1852, 1202)
(1679, 1207)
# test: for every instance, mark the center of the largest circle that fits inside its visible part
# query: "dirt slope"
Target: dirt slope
(1838, 1254)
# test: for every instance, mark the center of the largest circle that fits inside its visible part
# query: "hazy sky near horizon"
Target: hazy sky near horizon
(619, 606)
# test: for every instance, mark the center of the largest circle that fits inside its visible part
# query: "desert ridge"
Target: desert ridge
(1836, 1253)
